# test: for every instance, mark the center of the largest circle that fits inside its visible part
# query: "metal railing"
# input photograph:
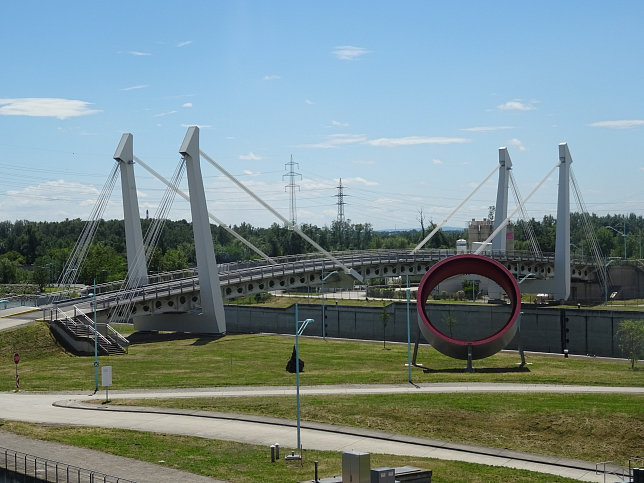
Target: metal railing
(297, 269)
(43, 469)
(608, 468)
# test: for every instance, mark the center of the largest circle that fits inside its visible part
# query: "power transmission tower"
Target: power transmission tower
(290, 168)
(341, 203)
(340, 220)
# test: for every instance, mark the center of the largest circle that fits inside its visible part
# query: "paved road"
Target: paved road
(70, 408)
(17, 316)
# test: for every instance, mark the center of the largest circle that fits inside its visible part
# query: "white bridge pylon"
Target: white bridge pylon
(212, 317)
(212, 304)
(136, 263)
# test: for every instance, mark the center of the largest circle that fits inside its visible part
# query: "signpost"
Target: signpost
(16, 360)
(106, 379)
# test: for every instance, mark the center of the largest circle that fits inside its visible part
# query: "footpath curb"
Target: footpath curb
(19, 313)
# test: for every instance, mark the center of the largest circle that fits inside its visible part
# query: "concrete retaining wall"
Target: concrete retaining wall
(542, 329)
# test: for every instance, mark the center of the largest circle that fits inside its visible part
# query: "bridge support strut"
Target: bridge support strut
(505, 165)
(212, 304)
(136, 263)
(562, 243)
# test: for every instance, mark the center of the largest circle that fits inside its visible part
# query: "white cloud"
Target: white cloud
(187, 104)
(358, 180)
(271, 77)
(516, 105)
(486, 128)
(437, 161)
(45, 107)
(414, 140)
(308, 101)
(138, 53)
(163, 114)
(336, 140)
(517, 144)
(623, 124)
(250, 157)
(131, 88)
(339, 140)
(386, 201)
(183, 44)
(339, 124)
(51, 200)
(349, 52)
(248, 172)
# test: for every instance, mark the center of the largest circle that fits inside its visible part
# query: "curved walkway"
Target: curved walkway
(71, 409)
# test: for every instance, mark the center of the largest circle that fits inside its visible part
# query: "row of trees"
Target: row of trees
(37, 251)
(612, 231)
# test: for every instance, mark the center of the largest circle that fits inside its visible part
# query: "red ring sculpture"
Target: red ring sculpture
(461, 265)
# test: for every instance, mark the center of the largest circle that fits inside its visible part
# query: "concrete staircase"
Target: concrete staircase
(76, 333)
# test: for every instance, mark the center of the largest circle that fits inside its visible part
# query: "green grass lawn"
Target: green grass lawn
(242, 463)
(257, 359)
(593, 427)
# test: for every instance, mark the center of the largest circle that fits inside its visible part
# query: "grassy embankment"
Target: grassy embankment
(593, 427)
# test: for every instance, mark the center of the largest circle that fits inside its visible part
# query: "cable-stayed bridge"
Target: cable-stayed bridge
(192, 301)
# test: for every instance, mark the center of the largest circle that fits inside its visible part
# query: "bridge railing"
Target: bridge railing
(311, 265)
(35, 468)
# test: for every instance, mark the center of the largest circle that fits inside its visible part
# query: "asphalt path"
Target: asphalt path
(73, 409)
(18, 316)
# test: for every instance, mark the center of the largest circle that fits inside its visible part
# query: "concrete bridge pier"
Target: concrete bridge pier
(212, 319)
(136, 262)
(499, 242)
(559, 285)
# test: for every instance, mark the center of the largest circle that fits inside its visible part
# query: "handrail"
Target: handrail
(51, 470)
(90, 324)
(614, 472)
(123, 343)
(303, 265)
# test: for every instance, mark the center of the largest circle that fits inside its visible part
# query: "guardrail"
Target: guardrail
(305, 265)
(43, 469)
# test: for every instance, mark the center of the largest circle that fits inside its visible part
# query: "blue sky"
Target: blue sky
(407, 102)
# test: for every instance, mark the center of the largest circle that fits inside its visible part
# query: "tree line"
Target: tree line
(36, 252)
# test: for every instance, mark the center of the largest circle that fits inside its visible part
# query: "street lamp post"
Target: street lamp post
(623, 233)
(324, 278)
(299, 329)
(606, 281)
(95, 342)
(408, 334)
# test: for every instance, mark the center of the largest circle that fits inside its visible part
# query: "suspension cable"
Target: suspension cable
(210, 215)
(128, 290)
(442, 223)
(527, 226)
(72, 267)
(505, 222)
(590, 234)
(293, 226)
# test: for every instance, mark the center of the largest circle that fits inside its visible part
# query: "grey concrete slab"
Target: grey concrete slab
(18, 316)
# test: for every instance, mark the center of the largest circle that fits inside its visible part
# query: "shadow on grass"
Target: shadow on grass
(483, 370)
(143, 337)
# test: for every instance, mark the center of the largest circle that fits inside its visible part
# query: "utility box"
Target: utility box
(355, 467)
(383, 475)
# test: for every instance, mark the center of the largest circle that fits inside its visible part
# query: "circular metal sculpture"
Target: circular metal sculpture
(461, 265)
